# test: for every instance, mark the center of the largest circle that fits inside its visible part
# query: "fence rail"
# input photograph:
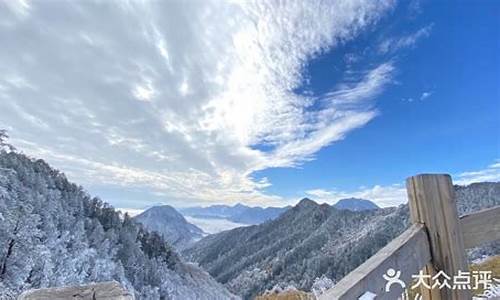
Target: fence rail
(435, 242)
(481, 227)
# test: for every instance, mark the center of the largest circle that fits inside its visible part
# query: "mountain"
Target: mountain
(171, 225)
(52, 233)
(238, 213)
(305, 242)
(355, 204)
(477, 196)
(311, 240)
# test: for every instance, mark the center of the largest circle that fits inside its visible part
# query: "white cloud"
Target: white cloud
(393, 44)
(213, 79)
(395, 194)
(144, 91)
(426, 95)
(490, 174)
(383, 196)
(372, 83)
(18, 7)
(131, 211)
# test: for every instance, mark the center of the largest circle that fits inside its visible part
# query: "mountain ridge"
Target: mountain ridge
(311, 240)
(272, 253)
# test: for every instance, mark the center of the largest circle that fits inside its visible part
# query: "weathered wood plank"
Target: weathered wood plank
(408, 253)
(432, 203)
(98, 291)
(481, 227)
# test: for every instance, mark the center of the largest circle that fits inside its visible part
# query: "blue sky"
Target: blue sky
(204, 102)
(454, 129)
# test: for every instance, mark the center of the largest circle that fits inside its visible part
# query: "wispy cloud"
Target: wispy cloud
(426, 95)
(422, 97)
(370, 85)
(393, 44)
(490, 173)
(179, 99)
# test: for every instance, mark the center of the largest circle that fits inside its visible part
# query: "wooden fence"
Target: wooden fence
(435, 242)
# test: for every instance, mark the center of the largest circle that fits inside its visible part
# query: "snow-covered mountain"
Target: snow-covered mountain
(311, 240)
(477, 196)
(52, 233)
(355, 204)
(238, 213)
(171, 225)
(304, 243)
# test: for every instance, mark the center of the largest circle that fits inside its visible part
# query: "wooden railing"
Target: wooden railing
(435, 242)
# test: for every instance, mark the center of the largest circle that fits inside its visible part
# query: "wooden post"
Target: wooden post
(432, 203)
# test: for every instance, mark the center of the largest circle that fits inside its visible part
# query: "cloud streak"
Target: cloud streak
(391, 45)
(489, 174)
(179, 97)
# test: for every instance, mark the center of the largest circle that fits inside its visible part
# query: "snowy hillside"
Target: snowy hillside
(305, 242)
(312, 240)
(54, 234)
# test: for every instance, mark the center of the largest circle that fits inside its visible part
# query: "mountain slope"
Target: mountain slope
(238, 213)
(303, 243)
(311, 240)
(171, 225)
(477, 196)
(355, 204)
(54, 234)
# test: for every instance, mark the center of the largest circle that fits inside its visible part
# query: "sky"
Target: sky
(257, 102)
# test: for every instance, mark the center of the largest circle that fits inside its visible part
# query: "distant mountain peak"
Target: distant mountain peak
(306, 202)
(169, 223)
(355, 204)
(161, 208)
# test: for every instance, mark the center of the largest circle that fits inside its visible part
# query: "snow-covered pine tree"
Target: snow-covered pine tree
(52, 233)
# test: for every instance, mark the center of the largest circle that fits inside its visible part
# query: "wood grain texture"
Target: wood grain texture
(481, 227)
(99, 291)
(408, 253)
(432, 203)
